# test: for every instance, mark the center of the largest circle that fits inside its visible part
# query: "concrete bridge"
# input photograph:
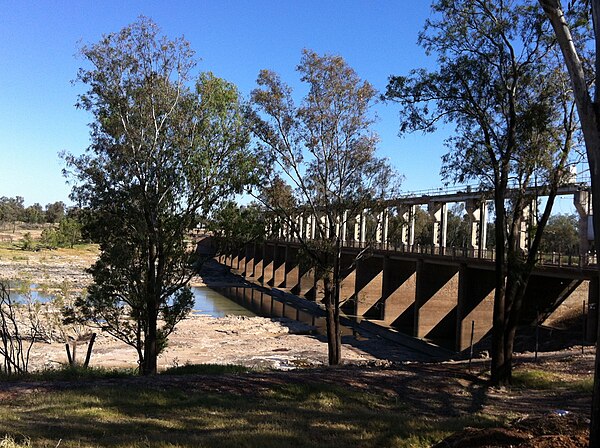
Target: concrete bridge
(438, 293)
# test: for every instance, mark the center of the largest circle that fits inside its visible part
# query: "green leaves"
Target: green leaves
(164, 147)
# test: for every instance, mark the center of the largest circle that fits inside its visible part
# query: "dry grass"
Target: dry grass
(146, 414)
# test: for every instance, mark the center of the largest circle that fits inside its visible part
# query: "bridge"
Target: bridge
(438, 293)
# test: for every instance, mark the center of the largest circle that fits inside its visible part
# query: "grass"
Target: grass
(206, 369)
(70, 373)
(543, 380)
(300, 415)
(9, 442)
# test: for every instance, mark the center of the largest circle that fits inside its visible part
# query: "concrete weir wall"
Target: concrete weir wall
(442, 299)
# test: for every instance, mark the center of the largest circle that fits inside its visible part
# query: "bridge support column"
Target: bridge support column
(348, 302)
(399, 293)
(344, 229)
(439, 213)
(257, 268)
(248, 266)
(240, 259)
(408, 226)
(529, 220)
(324, 233)
(360, 228)
(267, 266)
(381, 235)
(292, 270)
(477, 217)
(583, 203)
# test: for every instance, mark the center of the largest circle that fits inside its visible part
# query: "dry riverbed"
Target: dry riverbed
(251, 341)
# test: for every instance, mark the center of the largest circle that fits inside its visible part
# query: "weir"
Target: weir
(439, 298)
(438, 293)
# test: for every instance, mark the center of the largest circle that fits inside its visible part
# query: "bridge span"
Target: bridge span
(440, 297)
(439, 293)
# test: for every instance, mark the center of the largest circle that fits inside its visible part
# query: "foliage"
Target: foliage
(67, 234)
(320, 164)
(11, 209)
(235, 226)
(34, 214)
(55, 212)
(161, 151)
(561, 235)
(499, 82)
(457, 227)
(27, 242)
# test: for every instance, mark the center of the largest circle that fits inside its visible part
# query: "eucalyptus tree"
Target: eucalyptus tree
(500, 84)
(583, 65)
(320, 161)
(164, 146)
(234, 226)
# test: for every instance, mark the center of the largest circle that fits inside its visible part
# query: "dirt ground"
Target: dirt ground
(434, 390)
(249, 341)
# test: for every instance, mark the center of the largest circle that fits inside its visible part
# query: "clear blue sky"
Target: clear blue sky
(39, 41)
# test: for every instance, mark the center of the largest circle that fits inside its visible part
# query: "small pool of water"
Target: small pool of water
(36, 295)
(209, 302)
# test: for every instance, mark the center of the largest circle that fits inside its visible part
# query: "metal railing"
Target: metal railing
(554, 259)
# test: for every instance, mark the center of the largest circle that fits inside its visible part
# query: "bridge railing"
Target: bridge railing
(543, 259)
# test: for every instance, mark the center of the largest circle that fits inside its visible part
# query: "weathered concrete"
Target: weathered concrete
(475, 305)
(279, 260)
(369, 287)
(437, 298)
(436, 302)
(399, 288)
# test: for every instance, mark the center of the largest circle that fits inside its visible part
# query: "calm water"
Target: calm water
(211, 303)
(207, 302)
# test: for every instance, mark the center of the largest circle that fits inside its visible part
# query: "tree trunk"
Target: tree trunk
(150, 364)
(333, 323)
(589, 119)
(500, 371)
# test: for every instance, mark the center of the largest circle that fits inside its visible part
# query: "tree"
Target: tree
(34, 214)
(561, 235)
(161, 152)
(500, 84)
(587, 98)
(235, 226)
(55, 211)
(458, 232)
(321, 165)
(11, 210)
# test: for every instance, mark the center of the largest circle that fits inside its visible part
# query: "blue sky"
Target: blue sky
(39, 42)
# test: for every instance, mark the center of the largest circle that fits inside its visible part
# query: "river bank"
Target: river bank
(250, 341)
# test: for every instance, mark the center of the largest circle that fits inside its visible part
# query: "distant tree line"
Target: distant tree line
(13, 210)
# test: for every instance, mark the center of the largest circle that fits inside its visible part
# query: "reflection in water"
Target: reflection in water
(36, 295)
(209, 302)
(264, 304)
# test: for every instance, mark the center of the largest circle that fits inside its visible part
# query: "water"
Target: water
(36, 294)
(265, 304)
(209, 302)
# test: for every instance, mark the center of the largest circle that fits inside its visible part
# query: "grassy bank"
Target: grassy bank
(146, 413)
